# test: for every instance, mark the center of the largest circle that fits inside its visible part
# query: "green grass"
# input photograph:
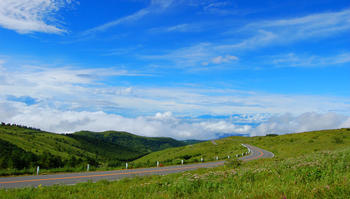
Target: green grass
(320, 174)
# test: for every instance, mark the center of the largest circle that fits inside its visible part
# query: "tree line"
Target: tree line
(21, 126)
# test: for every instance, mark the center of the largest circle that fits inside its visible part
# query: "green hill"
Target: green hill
(23, 147)
(282, 146)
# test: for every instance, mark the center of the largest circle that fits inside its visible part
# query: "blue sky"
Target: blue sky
(155, 67)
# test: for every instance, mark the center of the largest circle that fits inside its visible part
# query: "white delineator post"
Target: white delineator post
(87, 167)
(182, 161)
(37, 170)
(157, 163)
(217, 158)
(201, 159)
(228, 157)
(126, 165)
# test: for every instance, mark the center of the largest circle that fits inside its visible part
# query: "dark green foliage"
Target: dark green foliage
(17, 158)
(13, 157)
(271, 135)
(129, 141)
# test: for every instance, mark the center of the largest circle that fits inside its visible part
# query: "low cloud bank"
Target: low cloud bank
(288, 123)
(165, 124)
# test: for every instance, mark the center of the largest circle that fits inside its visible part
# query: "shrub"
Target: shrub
(233, 163)
(338, 140)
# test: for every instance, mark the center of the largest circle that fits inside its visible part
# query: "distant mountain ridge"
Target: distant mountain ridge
(23, 147)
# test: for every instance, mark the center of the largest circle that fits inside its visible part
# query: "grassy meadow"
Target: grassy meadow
(307, 165)
(322, 172)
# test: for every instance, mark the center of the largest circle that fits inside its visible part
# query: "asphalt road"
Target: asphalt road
(73, 178)
(256, 153)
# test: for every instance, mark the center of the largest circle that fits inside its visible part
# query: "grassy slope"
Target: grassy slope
(193, 153)
(282, 146)
(323, 172)
(38, 142)
(292, 145)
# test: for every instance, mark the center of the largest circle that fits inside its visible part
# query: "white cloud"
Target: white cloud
(288, 123)
(162, 124)
(71, 99)
(70, 88)
(27, 16)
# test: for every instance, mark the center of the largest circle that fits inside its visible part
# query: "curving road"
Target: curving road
(73, 178)
(256, 153)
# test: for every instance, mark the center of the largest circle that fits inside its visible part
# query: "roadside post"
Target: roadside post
(88, 167)
(217, 158)
(201, 159)
(182, 162)
(126, 165)
(228, 157)
(37, 170)
(157, 163)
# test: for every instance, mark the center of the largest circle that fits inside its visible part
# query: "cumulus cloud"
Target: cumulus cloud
(288, 123)
(27, 16)
(224, 59)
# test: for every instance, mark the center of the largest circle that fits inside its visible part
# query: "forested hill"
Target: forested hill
(23, 147)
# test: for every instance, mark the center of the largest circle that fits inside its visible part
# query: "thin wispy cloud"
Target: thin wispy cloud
(182, 28)
(265, 34)
(294, 60)
(27, 16)
(85, 89)
(284, 31)
(155, 6)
